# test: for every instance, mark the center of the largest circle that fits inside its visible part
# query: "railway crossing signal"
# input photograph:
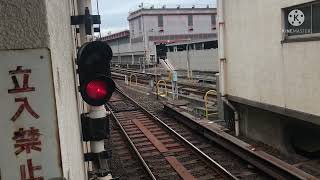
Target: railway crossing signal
(96, 85)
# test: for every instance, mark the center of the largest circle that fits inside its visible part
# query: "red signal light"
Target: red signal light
(97, 89)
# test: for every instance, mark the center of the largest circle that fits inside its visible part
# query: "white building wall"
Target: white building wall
(120, 45)
(124, 47)
(151, 24)
(259, 67)
(114, 46)
(177, 24)
(202, 24)
(139, 46)
(200, 60)
(134, 24)
(172, 25)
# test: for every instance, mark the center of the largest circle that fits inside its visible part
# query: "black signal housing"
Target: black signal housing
(93, 60)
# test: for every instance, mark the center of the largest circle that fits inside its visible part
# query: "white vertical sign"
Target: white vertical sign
(29, 135)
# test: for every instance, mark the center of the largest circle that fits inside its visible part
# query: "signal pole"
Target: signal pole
(81, 4)
(97, 115)
(96, 88)
(98, 147)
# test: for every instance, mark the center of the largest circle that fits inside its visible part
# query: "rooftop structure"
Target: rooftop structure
(118, 35)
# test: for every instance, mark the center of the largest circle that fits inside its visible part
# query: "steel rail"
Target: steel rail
(145, 77)
(136, 72)
(264, 162)
(147, 168)
(203, 155)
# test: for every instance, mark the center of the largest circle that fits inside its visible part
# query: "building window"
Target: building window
(140, 25)
(132, 28)
(199, 46)
(315, 18)
(160, 23)
(190, 46)
(182, 47)
(213, 21)
(190, 20)
(302, 19)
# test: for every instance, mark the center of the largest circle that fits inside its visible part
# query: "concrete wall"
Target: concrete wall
(122, 60)
(139, 46)
(262, 69)
(151, 22)
(200, 60)
(202, 24)
(123, 48)
(63, 68)
(120, 45)
(265, 127)
(23, 24)
(278, 131)
(134, 27)
(37, 24)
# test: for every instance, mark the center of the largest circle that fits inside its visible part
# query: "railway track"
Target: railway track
(125, 110)
(162, 151)
(144, 78)
(126, 164)
(192, 92)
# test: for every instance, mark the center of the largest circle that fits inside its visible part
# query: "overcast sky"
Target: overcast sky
(114, 13)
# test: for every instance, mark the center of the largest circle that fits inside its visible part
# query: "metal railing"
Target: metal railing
(206, 102)
(130, 79)
(165, 93)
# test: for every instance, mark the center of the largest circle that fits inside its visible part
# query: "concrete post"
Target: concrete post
(126, 80)
(188, 63)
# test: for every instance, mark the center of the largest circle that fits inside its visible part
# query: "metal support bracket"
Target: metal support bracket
(100, 160)
(95, 129)
(88, 20)
(97, 156)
